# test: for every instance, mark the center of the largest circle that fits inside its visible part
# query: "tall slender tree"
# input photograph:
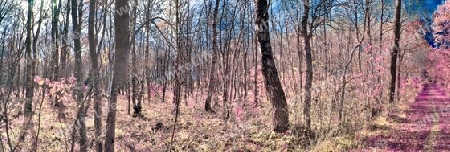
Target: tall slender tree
(309, 69)
(381, 24)
(395, 50)
(212, 73)
(65, 42)
(76, 25)
(55, 57)
(29, 89)
(178, 60)
(77, 45)
(121, 45)
(95, 76)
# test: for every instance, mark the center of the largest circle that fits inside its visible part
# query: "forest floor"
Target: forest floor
(248, 128)
(424, 127)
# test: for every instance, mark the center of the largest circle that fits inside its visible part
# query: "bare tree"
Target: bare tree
(121, 44)
(212, 74)
(309, 69)
(395, 50)
(178, 60)
(95, 76)
(55, 35)
(76, 25)
(381, 23)
(29, 89)
(272, 83)
(65, 43)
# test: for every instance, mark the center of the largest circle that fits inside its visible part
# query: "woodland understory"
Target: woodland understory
(212, 75)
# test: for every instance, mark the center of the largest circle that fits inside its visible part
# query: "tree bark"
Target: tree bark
(65, 43)
(381, 25)
(147, 55)
(212, 74)
(137, 104)
(95, 77)
(395, 50)
(122, 34)
(309, 70)
(55, 57)
(177, 87)
(29, 79)
(76, 13)
(29, 88)
(272, 82)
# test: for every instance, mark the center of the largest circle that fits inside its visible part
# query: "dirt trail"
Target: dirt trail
(426, 128)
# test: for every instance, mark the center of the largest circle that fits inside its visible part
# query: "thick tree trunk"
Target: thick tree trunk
(122, 34)
(272, 82)
(395, 50)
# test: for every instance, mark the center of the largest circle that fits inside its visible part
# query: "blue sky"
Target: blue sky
(422, 6)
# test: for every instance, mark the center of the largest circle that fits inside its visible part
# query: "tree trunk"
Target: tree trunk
(2, 55)
(76, 13)
(177, 87)
(147, 57)
(395, 50)
(272, 82)
(137, 104)
(65, 44)
(29, 79)
(28, 106)
(212, 74)
(255, 75)
(34, 69)
(309, 70)
(77, 45)
(55, 57)
(122, 34)
(381, 25)
(95, 77)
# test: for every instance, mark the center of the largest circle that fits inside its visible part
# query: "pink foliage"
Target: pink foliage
(441, 23)
(439, 67)
(239, 112)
